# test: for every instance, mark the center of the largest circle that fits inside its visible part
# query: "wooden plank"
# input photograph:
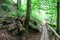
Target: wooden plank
(44, 35)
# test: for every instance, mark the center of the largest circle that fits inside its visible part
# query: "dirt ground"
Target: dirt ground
(32, 35)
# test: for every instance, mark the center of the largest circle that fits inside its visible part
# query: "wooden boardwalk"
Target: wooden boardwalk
(44, 35)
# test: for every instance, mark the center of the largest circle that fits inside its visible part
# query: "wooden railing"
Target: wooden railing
(56, 36)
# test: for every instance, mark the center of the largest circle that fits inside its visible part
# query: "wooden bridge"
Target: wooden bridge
(45, 33)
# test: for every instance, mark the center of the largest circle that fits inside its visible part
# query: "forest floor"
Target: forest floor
(6, 35)
(32, 35)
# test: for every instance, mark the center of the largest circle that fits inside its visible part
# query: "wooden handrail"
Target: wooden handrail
(53, 31)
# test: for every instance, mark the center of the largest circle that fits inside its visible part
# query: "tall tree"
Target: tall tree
(58, 17)
(18, 17)
(18, 7)
(27, 18)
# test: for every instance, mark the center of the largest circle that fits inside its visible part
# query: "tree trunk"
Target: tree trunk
(27, 18)
(58, 17)
(18, 20)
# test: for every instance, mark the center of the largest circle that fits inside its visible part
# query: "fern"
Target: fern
(6, 7)
(12, 14)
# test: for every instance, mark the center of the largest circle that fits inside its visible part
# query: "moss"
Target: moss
(11, 29)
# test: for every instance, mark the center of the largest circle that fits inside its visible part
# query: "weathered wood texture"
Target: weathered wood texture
(44, 35)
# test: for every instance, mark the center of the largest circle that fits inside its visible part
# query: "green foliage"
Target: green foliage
(6, 7)
(12, 14)
(1, 16)
(1, 20)
(52, 25)
(0, 11)
(38, 7)
(32, 25)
